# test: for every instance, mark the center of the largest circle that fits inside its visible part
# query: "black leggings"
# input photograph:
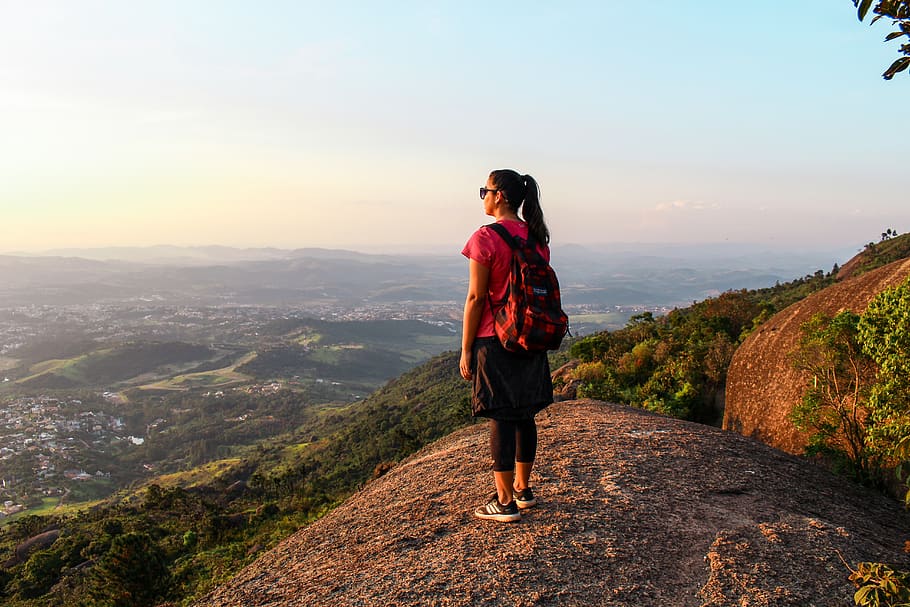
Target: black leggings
(512, 441)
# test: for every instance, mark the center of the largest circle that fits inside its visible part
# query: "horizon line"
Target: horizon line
(373, 248)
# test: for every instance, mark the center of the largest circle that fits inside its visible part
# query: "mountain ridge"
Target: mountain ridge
(217, 276)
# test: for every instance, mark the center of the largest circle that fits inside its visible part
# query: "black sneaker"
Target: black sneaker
(524, 499)
(495, 511)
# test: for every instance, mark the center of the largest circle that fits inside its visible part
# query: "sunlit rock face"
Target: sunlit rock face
(762, 384)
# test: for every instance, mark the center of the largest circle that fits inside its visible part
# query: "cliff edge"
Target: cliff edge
(635, 509)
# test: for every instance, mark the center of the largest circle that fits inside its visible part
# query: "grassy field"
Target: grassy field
(125, 364)
(591, 323)
(289, 457)
(309, 339)
(50, 505)
(217, 378)
(61, 366)
(199, 476)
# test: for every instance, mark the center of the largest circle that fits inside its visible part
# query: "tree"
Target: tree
(834, 407)
(899, 13)
(133, 573)
(41, 571)
(884, 332)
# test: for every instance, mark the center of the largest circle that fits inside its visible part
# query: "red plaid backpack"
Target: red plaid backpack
(531, 317)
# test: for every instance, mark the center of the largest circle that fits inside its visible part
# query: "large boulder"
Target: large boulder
(41, 541)
(762, 384)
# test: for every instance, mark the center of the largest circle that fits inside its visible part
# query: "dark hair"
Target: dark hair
(522, 191)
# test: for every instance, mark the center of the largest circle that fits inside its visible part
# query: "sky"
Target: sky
(371, 125)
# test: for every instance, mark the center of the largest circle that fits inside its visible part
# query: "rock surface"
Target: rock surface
(763, 386)
(635, 509)
(37, 542)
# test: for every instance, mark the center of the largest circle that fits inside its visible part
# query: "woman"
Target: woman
(509, 389)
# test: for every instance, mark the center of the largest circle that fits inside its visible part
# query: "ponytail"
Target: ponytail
(532, 213)
(522, 191)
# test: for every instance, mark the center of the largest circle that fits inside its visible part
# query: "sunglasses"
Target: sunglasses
(485, 191)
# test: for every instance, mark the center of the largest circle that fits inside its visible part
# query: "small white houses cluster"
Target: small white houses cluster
(41, 438)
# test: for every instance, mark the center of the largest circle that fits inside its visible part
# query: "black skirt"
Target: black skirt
(509, 386)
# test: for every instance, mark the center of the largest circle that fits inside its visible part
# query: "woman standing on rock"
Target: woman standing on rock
(509, 389)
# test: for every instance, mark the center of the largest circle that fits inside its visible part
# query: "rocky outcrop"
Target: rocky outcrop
(762, 385)
(635, 509)
(565, 385)
(38, 542)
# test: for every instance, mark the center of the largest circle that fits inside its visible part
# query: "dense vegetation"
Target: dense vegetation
(677, 364)
(857, 406)
(876, 254)
(856, 409)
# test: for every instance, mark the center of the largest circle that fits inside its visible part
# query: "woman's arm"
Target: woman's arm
(478, 284)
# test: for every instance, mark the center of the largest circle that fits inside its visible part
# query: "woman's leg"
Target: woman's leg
(526, 452)
(522, 475)
(502, 449)
(504, 482)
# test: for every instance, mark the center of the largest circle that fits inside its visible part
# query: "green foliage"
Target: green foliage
(778, 297)
(39, 573)
(898, 11)
(422, 405)
(676, 364)
(878, 585)
(892, 247)
(834, 409)
(884, 332)
(598, 381)
(133, 573)
(857, 405)
(902, 454)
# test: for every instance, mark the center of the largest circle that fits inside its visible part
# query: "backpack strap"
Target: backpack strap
(504, 233)
(507, 236)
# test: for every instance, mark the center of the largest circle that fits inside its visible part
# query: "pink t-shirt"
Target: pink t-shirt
(487, 248)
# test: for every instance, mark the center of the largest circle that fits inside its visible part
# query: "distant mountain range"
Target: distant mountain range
(597, 276)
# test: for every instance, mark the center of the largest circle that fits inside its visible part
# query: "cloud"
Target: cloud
(684, 205)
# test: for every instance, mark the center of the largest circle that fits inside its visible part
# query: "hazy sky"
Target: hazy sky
(357, 124)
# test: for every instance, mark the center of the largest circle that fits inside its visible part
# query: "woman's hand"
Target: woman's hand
(479, 279)
(465, 364)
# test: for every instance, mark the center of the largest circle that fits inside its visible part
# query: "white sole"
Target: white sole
(502, 518)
